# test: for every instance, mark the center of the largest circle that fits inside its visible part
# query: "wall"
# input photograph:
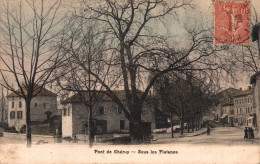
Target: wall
(242, 103)
(80, 116)
(37, 113)
(257, 101)
(67, 122)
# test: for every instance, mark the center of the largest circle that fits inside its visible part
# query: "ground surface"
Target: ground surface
(224, 145)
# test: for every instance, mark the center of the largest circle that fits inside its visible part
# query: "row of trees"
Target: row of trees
(103, 45)
(185, 97)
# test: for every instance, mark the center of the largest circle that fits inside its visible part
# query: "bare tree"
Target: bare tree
(140, 52)
(28, 30)
(84, 49)
(3, 106)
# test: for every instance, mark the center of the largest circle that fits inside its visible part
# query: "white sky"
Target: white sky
(206, 9)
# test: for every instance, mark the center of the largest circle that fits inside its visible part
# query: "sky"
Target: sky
(204, 13)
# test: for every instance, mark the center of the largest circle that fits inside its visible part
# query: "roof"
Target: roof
(44, 92)
(254, 34)
(101, 95)
(228, 103)
(253, 77)
(225, 94)
(244, 93)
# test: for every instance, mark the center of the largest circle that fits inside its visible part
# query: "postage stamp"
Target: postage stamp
(232, 22)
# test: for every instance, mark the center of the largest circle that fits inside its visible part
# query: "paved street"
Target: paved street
(219, 136)
(224, 145)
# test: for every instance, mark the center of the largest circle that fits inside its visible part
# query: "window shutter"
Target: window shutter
(105, 110)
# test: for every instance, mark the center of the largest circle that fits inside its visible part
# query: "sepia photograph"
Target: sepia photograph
(129, 81)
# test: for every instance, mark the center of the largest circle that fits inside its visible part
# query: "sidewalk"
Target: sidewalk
(163, 136)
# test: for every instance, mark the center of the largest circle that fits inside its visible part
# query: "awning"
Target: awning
(250, 118)
(224, 115)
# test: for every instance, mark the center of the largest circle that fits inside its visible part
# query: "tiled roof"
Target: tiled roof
(101, 95)
(228, 103)
(244, 93)
(44, 92)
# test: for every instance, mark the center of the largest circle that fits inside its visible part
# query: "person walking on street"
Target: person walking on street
(253, 134)
(246, 133)
(249, 133)
(208, 131)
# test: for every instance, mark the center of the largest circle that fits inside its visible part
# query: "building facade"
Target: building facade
(109, 118)
(42, 107)
(227, 116)
(244, 109)
(223, 99)
(255, 81)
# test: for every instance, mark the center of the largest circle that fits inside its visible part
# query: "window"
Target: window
(44, 105)
(122, 124)
(12, 115)
(19, 114)
(68, 111)
(35, 104)
(102, 110)
(20, 104)
(119, 110)
(12, 104)
(64, 111)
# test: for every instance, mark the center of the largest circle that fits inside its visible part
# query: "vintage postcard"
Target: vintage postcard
(129, 81)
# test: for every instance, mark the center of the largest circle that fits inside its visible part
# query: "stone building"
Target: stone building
(42, 107)
(220, 100)
(228, 112)
(255, 81)
(109, 118)
(244, 110)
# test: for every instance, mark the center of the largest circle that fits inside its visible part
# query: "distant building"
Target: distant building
(42, 107)
(109, 118)
(244, 110)
(220, 99)
(228, 113)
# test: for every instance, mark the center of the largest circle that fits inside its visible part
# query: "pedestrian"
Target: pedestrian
(246, 133)
(249, 133)
(253, 134)
(208, 131)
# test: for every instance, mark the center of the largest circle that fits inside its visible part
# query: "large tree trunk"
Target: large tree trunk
(181, 126)
(196, 123)
(171, 126)
(192, 124)
(90, 129)
(188, 126)
(28, 123)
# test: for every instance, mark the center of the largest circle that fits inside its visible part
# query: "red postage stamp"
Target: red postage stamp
(232, 22)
